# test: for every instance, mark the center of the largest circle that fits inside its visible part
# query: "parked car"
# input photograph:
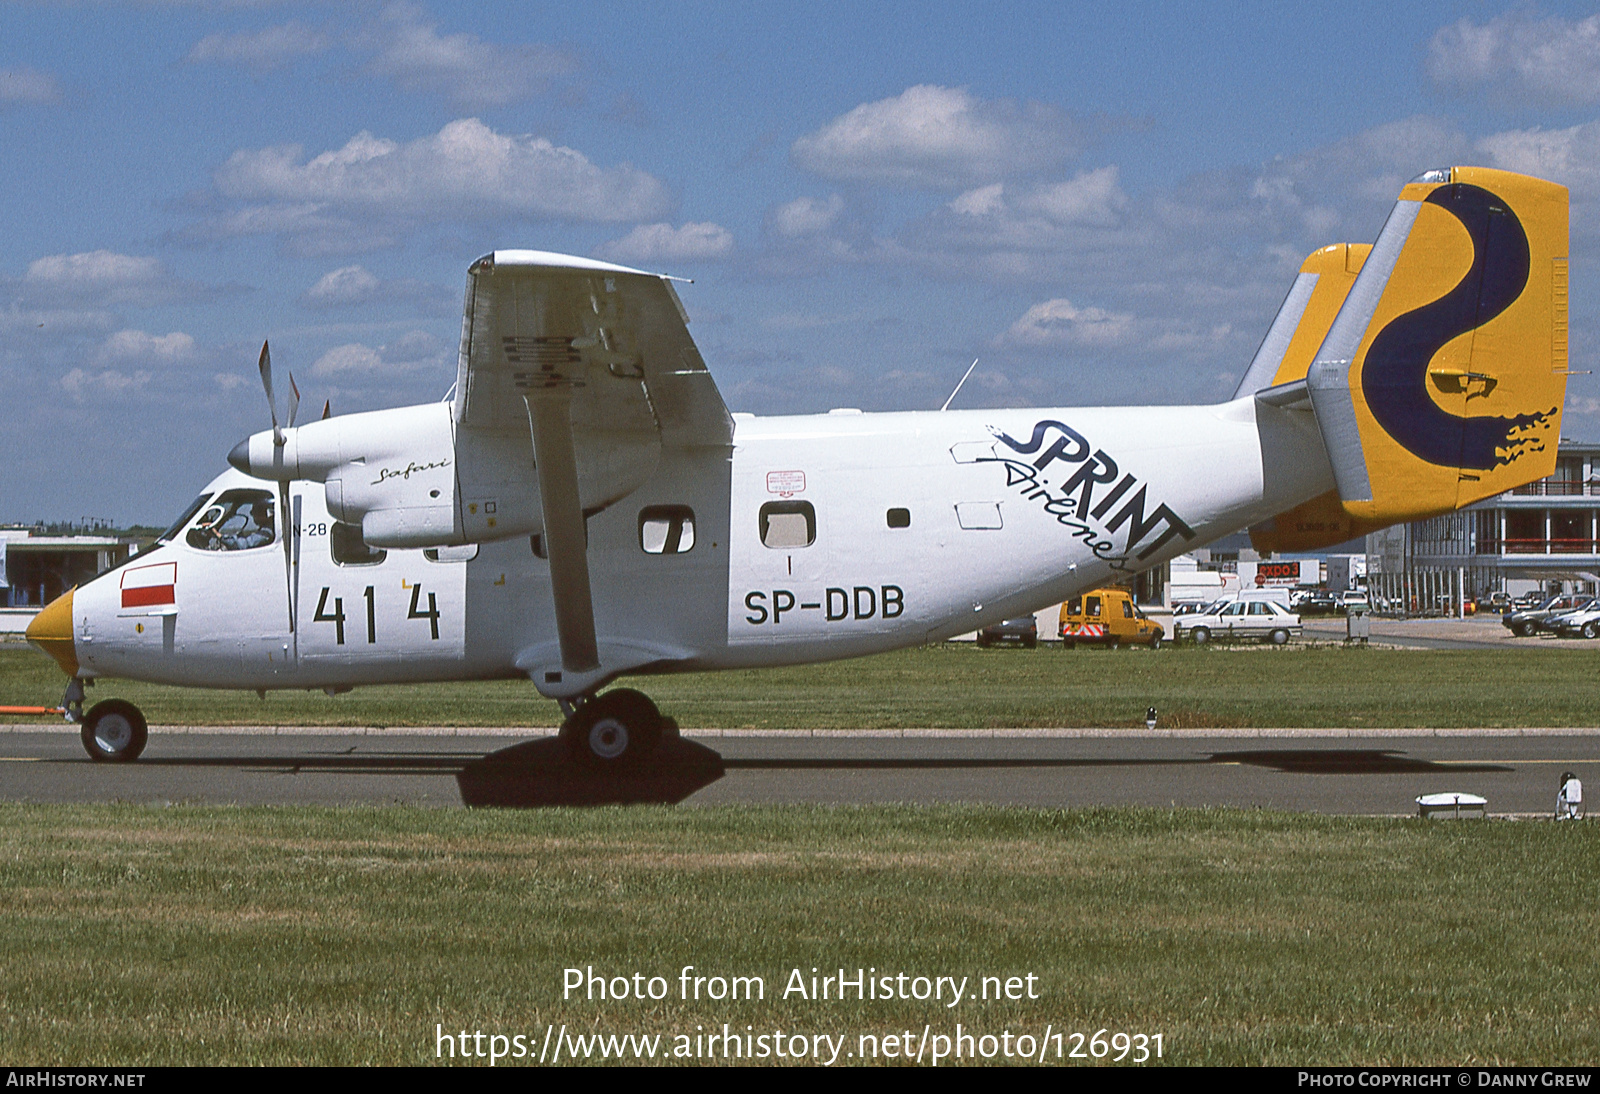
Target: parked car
(1107, 617)
(1023, 631)
(1495, 602)
(1317, 602)
(1526, 623)
(1582, 623)
(1261, 619)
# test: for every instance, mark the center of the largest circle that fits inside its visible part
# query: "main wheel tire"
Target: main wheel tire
(1278, 637)
(618, 729)
(1113, 643)
(114, 732)
(1591, 630)
(1201, 635)
(1155, 640)
(1523, 630)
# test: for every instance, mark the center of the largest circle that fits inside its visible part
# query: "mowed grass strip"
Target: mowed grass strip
(138, 935)
(959, 686)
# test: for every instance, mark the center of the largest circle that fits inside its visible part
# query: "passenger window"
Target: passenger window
(1091, 606)
(1127, 610)
(1075, 606)
(899, 518)
(666, 529)
(465, 553)
(1234, 609)
(349, 549)
(1260, 609)
(788, 524)
(237, 521)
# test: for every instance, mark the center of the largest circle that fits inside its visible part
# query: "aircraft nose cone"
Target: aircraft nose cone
(240, 456)
(51, 632)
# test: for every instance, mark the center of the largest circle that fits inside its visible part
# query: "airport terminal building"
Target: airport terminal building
(1540, 536)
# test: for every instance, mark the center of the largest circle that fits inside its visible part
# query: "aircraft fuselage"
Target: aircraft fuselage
(820, 537)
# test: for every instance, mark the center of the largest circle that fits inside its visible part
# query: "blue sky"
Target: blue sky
(1104, 203)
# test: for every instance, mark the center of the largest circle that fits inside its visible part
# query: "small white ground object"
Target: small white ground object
(1451, 804)
(1569, 799)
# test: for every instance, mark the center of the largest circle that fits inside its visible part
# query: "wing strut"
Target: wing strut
(566, 540)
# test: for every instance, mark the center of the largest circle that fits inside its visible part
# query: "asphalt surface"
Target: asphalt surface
(1476, 632)
(1328, 771)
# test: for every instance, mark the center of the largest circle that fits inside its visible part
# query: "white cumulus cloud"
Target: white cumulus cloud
(27, 87)
(81, 384)
(462, 67)
(939, 137)
(1060, 322)
(372, 190)
(1520, 57)
(137, 345)
(346, 285)
(356, 363)
(1568, 156)
(262, 50)
(664, 243)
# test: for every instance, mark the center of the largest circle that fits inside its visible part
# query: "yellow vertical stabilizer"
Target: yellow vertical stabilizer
(1442, 378)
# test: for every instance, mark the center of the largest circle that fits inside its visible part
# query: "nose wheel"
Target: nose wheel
(619, 729)
(114, 731)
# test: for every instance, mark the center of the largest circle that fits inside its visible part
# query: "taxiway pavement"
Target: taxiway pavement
(1322, 771)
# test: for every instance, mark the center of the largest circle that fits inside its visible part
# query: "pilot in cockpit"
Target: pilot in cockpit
(237, 523)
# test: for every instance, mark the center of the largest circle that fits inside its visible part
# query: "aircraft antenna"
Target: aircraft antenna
(957, 391)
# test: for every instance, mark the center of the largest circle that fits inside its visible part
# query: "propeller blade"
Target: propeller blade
(294, 400)
(286, 517)
(272, 404)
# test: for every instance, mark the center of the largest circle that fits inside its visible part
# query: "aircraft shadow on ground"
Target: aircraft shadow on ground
(1346, 761)
(540, 773)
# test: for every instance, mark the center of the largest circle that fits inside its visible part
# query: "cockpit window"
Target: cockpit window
(237, 521)
(188, 515)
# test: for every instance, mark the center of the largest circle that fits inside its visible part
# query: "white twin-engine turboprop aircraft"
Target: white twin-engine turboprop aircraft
(585, 507)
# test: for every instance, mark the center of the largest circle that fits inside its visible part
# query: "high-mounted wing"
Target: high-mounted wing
(594, 363)
(617, 338)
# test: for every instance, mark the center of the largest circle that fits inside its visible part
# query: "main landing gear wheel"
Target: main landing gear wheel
(621, 728)
(114, 732)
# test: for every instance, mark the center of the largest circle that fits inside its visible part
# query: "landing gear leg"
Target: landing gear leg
(617, 730)
(72, 701)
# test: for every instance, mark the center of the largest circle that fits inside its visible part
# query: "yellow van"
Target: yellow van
(1109, 617)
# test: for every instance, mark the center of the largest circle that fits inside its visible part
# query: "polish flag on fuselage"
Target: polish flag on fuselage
(150, 586)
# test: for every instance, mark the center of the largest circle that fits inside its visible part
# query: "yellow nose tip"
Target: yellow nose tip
(51, 631)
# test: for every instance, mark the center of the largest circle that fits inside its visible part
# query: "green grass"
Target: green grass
(961, 686)
(139, 935)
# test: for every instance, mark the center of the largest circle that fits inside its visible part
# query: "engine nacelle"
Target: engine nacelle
(393, 472)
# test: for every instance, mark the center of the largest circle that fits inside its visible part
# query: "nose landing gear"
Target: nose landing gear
(114, 731)
(617, 730)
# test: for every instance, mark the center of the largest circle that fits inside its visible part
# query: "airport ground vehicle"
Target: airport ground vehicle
(1263, 619)
(1022, 631)
(1107, 617)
